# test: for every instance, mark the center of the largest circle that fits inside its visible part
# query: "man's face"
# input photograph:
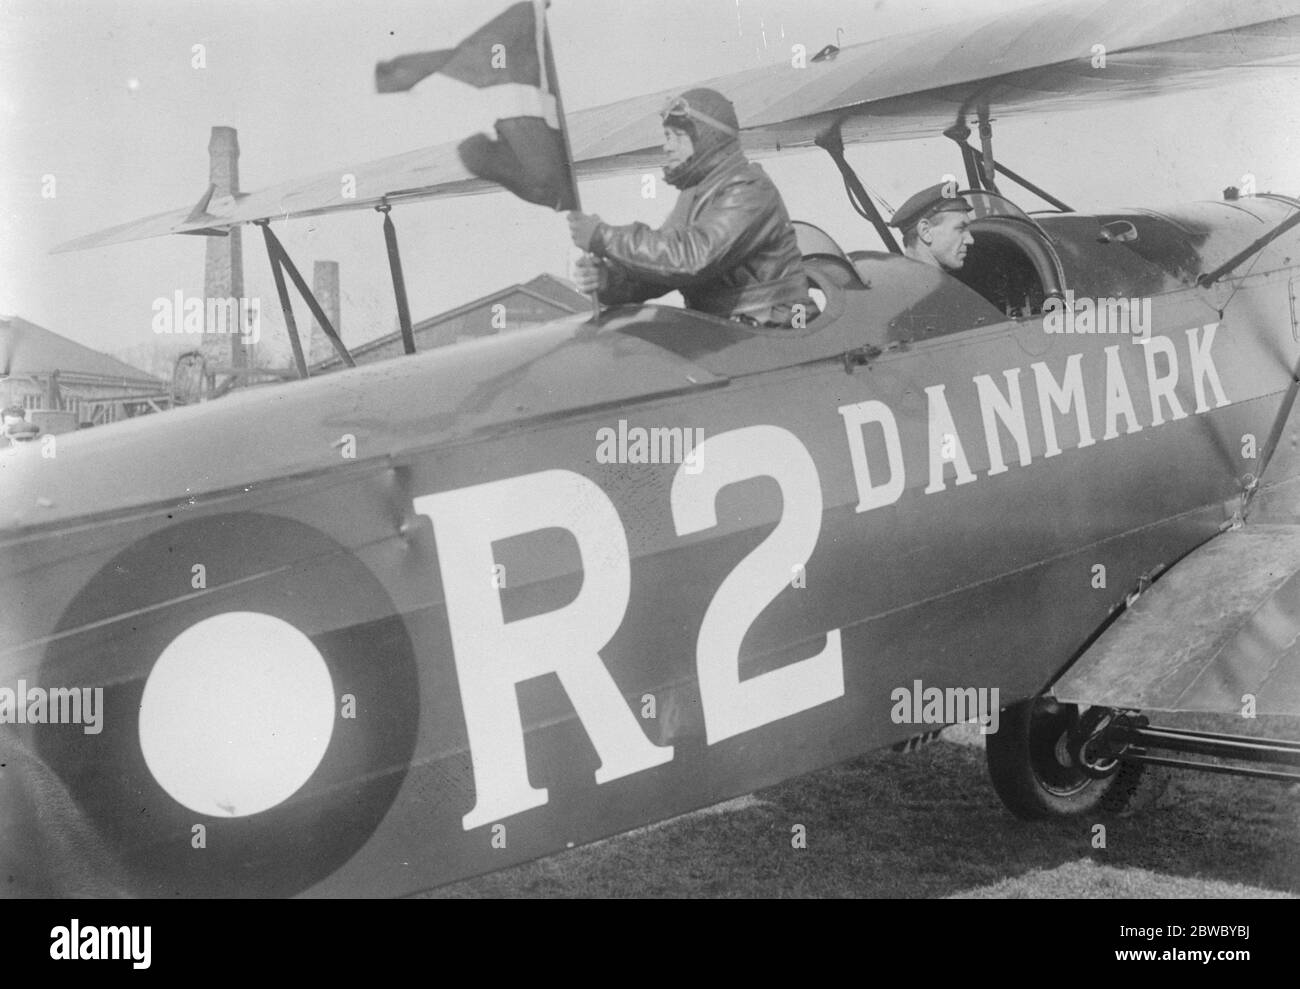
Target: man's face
(949, 237)
(678, 146)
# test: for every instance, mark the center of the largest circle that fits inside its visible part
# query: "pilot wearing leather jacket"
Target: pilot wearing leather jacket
(727, 245)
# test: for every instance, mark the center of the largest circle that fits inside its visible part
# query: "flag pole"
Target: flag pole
(540, 9)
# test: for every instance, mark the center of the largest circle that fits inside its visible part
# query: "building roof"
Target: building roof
(537, 300)
(26, 348)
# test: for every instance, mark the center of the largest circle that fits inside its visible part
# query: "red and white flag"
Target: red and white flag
(509, 61)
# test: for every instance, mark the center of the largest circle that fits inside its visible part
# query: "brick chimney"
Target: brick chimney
(325, 286)
(223, 269)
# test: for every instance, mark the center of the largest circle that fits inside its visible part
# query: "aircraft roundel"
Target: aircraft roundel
(257, 722)
(237, 714)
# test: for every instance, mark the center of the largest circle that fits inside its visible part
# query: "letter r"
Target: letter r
(492, 655)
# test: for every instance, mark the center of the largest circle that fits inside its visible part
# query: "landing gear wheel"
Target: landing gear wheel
(1034, 772)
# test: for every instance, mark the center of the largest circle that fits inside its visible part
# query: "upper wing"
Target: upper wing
(1223, 623)
(905, 86)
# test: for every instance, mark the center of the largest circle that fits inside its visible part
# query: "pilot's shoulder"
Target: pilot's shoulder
(748, 175)
(754, 172)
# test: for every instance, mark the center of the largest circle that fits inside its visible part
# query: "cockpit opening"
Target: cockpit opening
(1000, 270)
(828, 267)
(1012, 264)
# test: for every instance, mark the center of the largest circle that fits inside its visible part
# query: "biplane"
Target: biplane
(421, 623)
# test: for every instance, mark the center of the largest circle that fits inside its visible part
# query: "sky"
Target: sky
(104, 96)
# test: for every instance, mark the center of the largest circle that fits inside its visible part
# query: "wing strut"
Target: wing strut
(399, 281)
(988, 167)
(280, 263)
(1252, 481)
(958, 133)
(1255, 246)
(833, 141)
(976, 161)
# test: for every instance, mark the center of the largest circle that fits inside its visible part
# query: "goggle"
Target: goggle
(678, 106)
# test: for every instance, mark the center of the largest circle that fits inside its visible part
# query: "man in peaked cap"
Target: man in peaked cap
(934, 224)
(728, 244)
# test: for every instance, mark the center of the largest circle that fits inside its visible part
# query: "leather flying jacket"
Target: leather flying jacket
(727, 245)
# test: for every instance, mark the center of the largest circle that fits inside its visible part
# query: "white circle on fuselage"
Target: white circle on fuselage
(237, 714)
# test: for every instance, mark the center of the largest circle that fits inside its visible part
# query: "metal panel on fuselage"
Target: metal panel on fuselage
(990, 583)
(987, 584)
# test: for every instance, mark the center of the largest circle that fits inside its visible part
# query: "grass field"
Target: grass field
(928, 824)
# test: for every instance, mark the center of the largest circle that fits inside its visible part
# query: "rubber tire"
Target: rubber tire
(1033, 783)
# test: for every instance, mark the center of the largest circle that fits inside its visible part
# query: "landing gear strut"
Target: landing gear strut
(1050, 759)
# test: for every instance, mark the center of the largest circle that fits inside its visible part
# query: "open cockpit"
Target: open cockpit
(1013, 266)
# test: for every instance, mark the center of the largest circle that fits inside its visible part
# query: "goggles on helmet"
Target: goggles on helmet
(679, 106)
